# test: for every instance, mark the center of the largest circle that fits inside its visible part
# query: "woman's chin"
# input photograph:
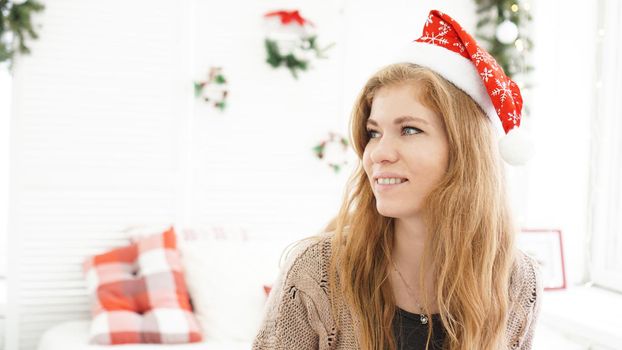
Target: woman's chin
(393, 211)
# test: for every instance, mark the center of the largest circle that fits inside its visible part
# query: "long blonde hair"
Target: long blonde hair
(470, 232)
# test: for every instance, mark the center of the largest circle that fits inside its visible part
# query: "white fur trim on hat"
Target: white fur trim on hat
(456, 69)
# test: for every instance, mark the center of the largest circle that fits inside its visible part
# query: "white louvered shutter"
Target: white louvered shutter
(88, 161)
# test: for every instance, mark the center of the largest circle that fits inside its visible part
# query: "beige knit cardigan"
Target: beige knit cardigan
(298, 312)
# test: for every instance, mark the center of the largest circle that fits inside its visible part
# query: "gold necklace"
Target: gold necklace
(422, 316)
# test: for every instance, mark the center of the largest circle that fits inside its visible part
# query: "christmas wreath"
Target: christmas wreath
(291, 42)
(333, 150)
(214, 89)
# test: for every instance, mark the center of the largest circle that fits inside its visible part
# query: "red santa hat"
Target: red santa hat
(446, 48)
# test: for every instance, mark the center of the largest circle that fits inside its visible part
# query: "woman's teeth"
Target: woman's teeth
(390, 181)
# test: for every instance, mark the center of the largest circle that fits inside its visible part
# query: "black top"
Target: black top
(410, 334)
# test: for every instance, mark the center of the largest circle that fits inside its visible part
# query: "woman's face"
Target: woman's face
(407, 152)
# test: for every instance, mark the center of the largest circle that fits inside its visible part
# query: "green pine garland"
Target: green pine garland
(15, 25)
(294, 64)
(492, 13)
(275, 59)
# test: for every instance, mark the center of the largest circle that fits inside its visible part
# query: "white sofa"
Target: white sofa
(225, 274)
(74, 336)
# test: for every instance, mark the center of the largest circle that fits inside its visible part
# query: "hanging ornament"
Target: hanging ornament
(333, 151)
(507, 32)
(291, 41)
(501, 22)
(214, 90)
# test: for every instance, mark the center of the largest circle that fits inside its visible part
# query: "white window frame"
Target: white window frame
(605, 205)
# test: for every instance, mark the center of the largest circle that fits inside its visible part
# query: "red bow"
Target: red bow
(289, 16)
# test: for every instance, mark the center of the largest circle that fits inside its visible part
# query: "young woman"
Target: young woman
(421, 254)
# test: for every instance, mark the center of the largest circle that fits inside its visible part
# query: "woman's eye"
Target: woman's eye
(372, 134)
(409, 130)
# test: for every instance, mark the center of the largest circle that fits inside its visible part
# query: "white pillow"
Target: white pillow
(136, 232)
(187, 234)
(225, 279)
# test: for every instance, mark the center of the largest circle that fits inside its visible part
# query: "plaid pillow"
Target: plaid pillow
(139, 294)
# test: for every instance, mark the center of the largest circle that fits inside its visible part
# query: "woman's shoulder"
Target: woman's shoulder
(295, 305)
(308, 256)
(526, 276)
(526, 289)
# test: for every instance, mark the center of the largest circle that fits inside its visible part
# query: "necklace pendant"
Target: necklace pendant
(423, 319)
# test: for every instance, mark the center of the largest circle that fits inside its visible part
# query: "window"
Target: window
(606, 153)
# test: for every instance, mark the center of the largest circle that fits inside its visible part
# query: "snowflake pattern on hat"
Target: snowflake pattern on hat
(441, 30)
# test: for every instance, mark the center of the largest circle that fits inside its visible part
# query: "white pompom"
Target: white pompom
(516, 147)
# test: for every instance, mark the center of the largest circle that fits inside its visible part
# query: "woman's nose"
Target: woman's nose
(385, 150)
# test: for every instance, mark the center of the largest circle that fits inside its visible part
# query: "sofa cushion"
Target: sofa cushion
(139, 294)
(227, 279)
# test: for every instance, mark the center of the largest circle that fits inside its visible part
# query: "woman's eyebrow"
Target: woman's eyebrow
(400, 120)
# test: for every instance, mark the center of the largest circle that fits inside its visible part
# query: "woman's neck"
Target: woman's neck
(409, 242)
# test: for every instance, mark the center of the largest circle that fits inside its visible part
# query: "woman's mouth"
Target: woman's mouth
(390, 181)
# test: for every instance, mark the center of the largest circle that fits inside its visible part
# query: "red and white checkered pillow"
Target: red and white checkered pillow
(139, 294)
